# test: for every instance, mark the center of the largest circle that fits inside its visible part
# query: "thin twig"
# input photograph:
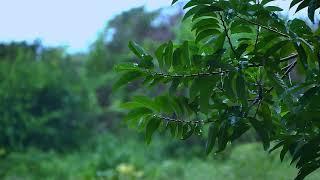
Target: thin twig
(291, 66)
(227, 34)
(285, 59)
(288, 58)
(288, 66)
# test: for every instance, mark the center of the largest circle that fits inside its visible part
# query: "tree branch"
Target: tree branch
(227, 34)
(200, 74)
(168, 119)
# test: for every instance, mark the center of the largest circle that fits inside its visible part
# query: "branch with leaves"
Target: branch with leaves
(233, 77)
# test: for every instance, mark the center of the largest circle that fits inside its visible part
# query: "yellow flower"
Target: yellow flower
(125, 169)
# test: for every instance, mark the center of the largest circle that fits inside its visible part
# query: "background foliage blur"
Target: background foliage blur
(59, 118)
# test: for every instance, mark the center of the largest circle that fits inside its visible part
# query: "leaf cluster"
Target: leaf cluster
(239, 73)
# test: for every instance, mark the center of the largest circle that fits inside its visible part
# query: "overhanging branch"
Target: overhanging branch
(193, 75)
(168, 119)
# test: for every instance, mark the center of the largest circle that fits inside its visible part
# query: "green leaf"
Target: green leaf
(146, 59)
(137, 50)
(303, 57)
(152, 126)
(283, 152)
(173, 128)
(223, 137)
(126, 78)
(206, 23)
(279, 85)
(276, 47)
(174, 85)
(304, 4)
(264, 2)
(219, 42)
(126, 67)
(294, 2)
(180, 130)
(229, 85)
(131, 105)
(146, 102)
(261, 131)
(206, 88)
(194, 89)
(273, 8)
(206, 33)
(241, 89)
(308, 169)
(265, 112)
(173, 2)
(136, 114)
(278, 145)
(187, 131)
(176, 61)
(208, 11)
(212, 135)
(313, 5)
(308, 95)
(185, 54)
(241, 29)
(162, 102)
(169, 54)
(197, 2)
(300, 27)
(238, 130)
(160, 54)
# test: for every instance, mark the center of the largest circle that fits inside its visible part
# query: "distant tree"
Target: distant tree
(235, 76)
(44, 99)
(19, 50)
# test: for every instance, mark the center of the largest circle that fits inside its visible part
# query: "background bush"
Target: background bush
(44, 103)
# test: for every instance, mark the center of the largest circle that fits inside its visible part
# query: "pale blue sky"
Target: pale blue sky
(72, 23)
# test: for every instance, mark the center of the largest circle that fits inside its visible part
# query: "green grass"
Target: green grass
(127, 157)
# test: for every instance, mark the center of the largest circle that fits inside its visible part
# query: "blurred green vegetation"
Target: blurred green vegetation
(59, 118)
(127, 157)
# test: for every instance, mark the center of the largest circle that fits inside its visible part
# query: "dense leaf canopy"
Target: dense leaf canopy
(246, 69)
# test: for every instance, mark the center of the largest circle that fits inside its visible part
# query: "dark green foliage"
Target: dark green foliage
(44, 103)
(236, 75)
